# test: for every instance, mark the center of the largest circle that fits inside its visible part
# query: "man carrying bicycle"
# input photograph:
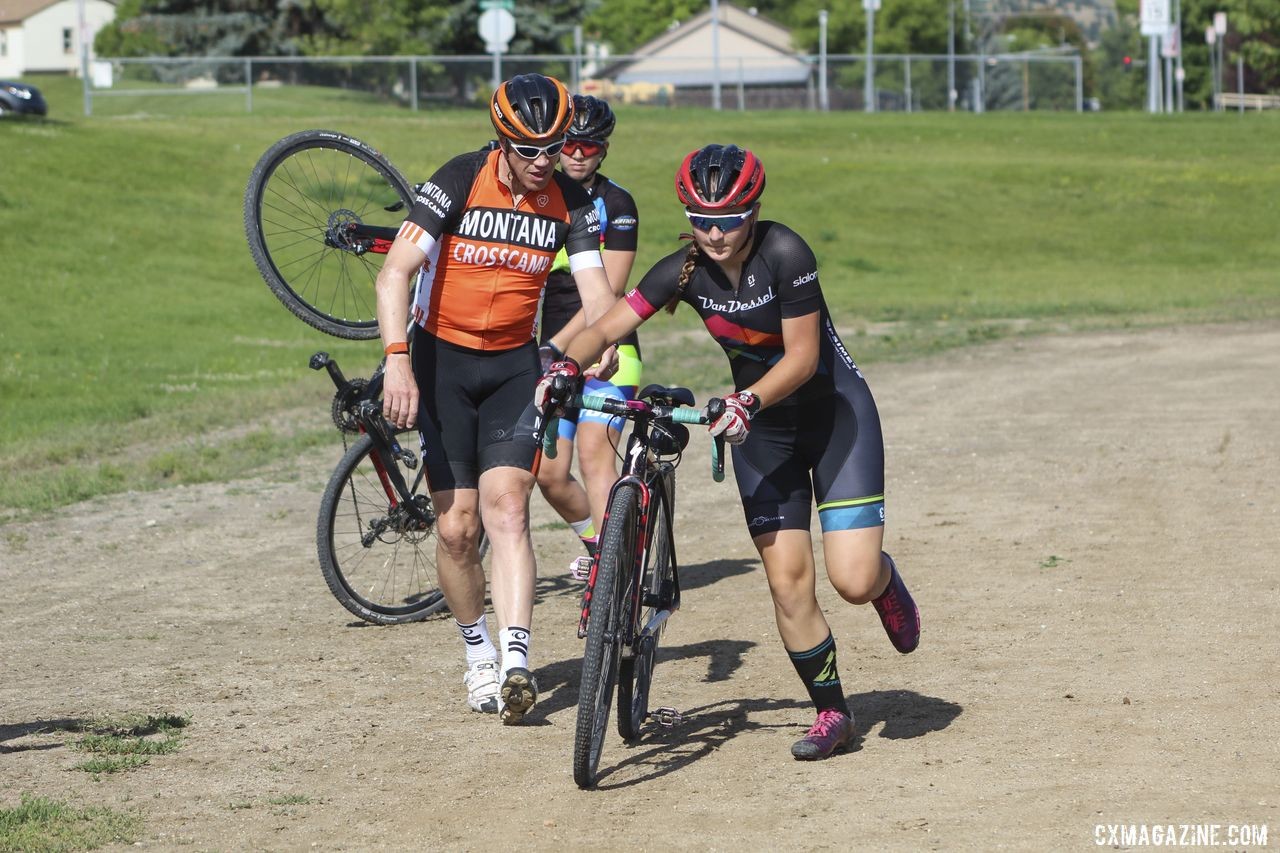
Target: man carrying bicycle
(481, 239)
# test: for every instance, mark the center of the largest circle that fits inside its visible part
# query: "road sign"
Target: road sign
(1155, 17)
(509, 5)
(496, 27)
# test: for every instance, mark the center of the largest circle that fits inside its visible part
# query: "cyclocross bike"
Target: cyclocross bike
(633, 585)
(376, 530)
(321, 209)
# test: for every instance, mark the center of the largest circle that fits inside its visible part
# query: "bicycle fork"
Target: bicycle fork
(627, 480)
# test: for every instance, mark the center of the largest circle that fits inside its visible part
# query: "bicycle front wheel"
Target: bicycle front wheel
(635, 674)
(378, 559)
(320, 211)
(605, 626)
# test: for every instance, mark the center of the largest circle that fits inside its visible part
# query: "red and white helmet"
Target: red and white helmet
(720, 177)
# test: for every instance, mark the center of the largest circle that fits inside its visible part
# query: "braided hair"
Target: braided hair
(686, 272)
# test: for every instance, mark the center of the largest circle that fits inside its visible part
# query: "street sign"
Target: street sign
(496, 27)
(871, 5)
(1155, 17)
(1170, 43)
(509, 5)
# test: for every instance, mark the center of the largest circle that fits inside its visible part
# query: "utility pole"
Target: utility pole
(951, 56)
(824, 101)
(1220, 29)
(1178, 73)
(84, 57)
(715, 55)
(869, 84)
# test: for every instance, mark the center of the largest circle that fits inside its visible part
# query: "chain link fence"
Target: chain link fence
(906, 83)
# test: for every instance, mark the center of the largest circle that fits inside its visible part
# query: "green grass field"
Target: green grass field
(140, 347)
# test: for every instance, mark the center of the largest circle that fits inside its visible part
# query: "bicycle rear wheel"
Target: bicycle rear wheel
(304, 198)
(605, 627)
(635, 674)
(378, 560)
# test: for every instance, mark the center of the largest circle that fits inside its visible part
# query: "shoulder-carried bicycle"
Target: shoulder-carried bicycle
(321, 210)
(633, 586)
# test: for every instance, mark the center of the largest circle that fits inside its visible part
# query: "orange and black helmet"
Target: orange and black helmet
(531, 108)
(720, 177)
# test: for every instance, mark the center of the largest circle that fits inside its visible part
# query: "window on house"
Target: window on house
(68, 44)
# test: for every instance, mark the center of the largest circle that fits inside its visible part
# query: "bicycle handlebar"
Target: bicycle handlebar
(638, 410)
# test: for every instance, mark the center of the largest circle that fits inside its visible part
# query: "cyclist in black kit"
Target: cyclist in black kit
(801, 418)
(595, 434)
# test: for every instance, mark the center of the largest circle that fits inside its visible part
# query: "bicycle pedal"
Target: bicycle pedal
(666, 717)
(580, 569)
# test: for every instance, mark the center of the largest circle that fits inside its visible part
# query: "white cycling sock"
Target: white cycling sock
(476, 636)
(515, 648)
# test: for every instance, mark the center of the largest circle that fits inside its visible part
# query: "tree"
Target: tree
(1119, 85)
(221, 28)
(626, 24)
(1253, 33)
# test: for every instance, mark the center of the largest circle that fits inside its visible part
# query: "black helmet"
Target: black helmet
(720, 177)
(531, 108)
(592, 118)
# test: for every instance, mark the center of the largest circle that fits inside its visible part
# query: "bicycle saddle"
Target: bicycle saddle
(668, 396)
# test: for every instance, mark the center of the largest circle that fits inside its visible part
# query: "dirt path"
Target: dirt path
(1090, 525)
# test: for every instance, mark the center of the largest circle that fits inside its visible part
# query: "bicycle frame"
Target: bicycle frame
(643, 470)
(361, 404)
(646, 478)
(358, 238)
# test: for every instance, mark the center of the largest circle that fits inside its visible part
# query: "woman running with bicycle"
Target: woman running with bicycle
(596, 434)
(801, 417)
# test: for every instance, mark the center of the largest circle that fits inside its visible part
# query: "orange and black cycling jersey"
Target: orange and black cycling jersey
(487, 259)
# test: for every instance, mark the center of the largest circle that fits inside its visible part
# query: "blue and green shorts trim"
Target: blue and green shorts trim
(623, 385)
(851, 514)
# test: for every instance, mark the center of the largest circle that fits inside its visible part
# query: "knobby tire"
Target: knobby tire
(300, 188)
(394, 579)
(635, 674)
(605, 627)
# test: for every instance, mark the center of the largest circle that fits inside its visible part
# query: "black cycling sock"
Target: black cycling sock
(817, 669)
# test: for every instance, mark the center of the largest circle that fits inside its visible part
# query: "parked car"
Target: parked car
(21, 99)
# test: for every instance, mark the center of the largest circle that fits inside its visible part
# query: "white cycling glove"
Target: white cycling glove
(735, 423)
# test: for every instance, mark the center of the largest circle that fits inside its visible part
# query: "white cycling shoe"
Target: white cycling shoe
(481, 680)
